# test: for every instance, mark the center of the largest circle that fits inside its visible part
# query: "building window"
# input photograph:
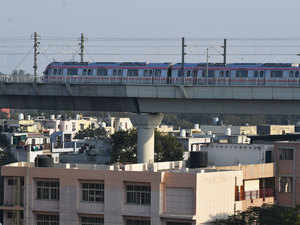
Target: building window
(138, 194)
(137, 222)
(286, 154)
(81, 126)
(91, 220)
(285, 184)
(11, 181)
(47, 189)
(102, 72)
(42, 219)
(92, 192)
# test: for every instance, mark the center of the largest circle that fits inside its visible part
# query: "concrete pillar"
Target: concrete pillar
(145, 124)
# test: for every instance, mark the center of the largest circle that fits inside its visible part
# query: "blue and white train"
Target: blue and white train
(239, 74)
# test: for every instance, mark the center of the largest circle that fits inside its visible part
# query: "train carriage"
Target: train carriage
(213, 74)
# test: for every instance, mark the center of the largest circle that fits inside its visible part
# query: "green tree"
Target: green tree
(89, 132)
(124, 147)
(265, 215)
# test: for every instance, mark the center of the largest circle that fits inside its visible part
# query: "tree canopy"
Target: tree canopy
(89, 132)
(124, 147)
(265, 215)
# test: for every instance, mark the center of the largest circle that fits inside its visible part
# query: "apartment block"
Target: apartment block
(138, 194)
(287, 157)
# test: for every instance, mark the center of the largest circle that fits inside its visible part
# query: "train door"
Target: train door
(261, 80)
(195, 76)
(169, 75)
(297, 77)
(292, 81)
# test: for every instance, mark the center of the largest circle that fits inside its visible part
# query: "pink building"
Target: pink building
(287, 158)
(138, 194)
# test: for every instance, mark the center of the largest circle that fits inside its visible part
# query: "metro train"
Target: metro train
(248, 74)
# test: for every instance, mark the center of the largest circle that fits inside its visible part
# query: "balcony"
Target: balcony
(250, 195)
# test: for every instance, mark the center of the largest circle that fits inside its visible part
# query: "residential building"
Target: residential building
(287, 158)
(275, 129)
(165, 193)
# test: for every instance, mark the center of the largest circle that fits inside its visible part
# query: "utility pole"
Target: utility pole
(207, 65)
(182, 56)
(81, 47)
(225, 52)
(36, 44)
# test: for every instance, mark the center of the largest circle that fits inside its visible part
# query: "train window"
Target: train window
(146, 73)
(115, 72)
(72, 71)
(120, 72)
(60, 71)
(291, 74)
(132, 73)
(90, 71)
(241, 73)
(261, 74)
(188, 73)
(101, 72)
(158, 72)
(180, 73)
(297, 74)
(276, 73)
(255, 73)
(211, 73)
(84, 72)
(227, 73)
(221, 74)
(54, 71)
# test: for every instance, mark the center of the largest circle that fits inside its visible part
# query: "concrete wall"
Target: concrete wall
(144, 98)
(234, 154)
(221, 202)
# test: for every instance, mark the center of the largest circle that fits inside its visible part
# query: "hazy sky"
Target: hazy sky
(139, 18)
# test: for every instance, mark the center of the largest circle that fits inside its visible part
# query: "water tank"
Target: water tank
(228, 131)
(196, 126)
(28, 117)
(52, 117)
(198, 159)
(21, 116)
(78, 116)
(43, 161)
(182, 133)
(103, 124)
(58, 116)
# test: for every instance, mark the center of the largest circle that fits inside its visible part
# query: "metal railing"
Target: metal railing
(250, 195)
(169, 81)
